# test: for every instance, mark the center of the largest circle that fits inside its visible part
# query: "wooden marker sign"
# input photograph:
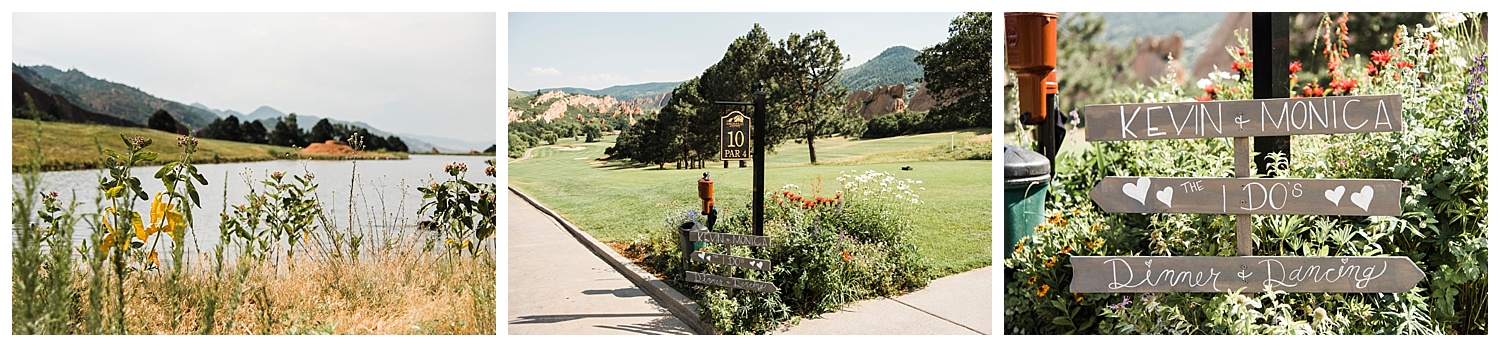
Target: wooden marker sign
(731, 282)
(729, 239)
(723, 259)
(1248, 274)
(1243, 118)
(734, 134)
(1343, 197)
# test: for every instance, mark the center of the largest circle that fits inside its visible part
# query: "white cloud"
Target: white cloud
(545, 71)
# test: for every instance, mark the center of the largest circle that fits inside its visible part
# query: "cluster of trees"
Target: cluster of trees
(805, 100)
(287, 133)
(532, 133)
(798, 76)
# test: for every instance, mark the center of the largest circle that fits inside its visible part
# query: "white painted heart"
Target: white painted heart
(1344, 260)
(1334, 195)
(1138, 189)
(1362, 198)
(1148, 263)
(756, 264)
(1165, 196)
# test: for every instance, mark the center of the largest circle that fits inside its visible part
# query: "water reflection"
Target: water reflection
(381, 193)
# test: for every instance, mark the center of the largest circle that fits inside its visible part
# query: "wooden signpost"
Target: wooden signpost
(1249, 274)
(1343, 197)
(1243, 118)
(1243, 196)
(724, 259)
(734, 131)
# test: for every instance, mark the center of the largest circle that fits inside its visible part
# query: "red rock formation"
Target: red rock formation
(1151, 58)
(881, 100)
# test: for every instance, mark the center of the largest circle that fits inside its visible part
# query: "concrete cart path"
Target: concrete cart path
(558, 287)
(954, 305)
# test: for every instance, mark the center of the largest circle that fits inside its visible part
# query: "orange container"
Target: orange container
(1031, 50)
(706, 192)
(1030, 40)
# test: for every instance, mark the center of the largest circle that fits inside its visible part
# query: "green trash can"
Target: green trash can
(1027, 174)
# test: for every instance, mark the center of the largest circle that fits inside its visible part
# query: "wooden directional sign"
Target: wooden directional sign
(1249, 274)
(734, 134)
(1345, 197)
(730, 239)
(722, 259)
(1243, 118)
(764, 287)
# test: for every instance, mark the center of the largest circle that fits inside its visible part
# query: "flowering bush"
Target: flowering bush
(828, 249)
(1441, 156)
(462, 211)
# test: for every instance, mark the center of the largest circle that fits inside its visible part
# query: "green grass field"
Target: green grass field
(616, 203)
(70, 146)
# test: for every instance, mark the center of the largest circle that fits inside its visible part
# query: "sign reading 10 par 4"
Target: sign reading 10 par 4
(734, 136)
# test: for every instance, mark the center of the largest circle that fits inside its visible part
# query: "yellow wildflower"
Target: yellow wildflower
(1032, 281)
(1043, 291)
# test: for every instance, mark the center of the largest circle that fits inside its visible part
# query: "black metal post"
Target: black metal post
(1268, 41)
(757, 128)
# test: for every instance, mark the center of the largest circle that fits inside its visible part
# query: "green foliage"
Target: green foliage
(285, 210)
(959, 69)
(1441, 156)
(463, 211)
(286, 133)
(40, 278)
(161, 120)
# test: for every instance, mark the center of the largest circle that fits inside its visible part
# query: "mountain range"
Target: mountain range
(895, 65)
(98, 100)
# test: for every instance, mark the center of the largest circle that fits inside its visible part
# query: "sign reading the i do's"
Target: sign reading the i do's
(1243, 118)
(1341, 197)
(734, 136)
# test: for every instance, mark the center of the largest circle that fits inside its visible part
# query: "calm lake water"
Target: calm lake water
(384, 191)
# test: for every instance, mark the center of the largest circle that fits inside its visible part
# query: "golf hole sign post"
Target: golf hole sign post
(1243, 196)
(734, 128)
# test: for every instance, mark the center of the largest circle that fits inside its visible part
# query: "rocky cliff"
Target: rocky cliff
(880, 100)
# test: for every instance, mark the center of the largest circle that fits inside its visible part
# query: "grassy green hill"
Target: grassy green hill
(69, 146)
(894, 65)
(617, 203)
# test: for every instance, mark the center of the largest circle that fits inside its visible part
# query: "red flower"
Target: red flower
(1380, 57)
(1204, 98)
(1431, 46)
(1235, 66)
(1371, 70)
(1295, 67)
(1405, 65)
(1240, 51)
(846, 256)
(1211, 89)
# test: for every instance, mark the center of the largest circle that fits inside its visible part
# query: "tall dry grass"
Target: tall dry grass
(390, 292)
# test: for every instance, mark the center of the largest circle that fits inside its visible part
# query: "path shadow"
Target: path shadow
(619, 293)
(654, 327)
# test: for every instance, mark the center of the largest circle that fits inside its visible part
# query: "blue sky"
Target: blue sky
(598, 50)
(396, 71)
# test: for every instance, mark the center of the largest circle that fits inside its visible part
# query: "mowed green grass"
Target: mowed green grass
(615, 203)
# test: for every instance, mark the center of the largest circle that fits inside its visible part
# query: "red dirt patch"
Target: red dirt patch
(329, 147)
